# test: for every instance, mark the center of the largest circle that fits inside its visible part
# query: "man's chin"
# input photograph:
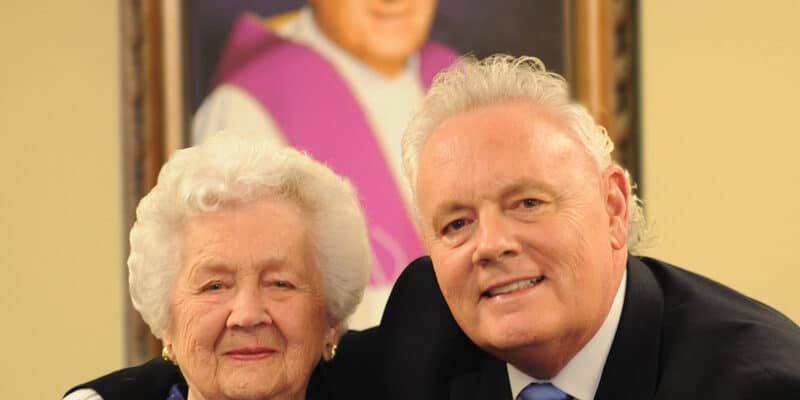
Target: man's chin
(499, 341)
(390, 50)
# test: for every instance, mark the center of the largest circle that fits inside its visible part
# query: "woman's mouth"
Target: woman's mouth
(250, 353)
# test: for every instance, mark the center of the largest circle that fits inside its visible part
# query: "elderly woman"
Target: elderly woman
(246, 260)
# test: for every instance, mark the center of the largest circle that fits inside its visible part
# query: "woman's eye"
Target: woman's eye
(213, 287)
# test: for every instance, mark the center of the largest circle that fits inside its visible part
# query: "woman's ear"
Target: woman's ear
(617, 204)
(166, 337)
(331, 341)
(167, 352)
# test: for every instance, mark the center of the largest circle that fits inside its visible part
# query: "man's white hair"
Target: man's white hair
(233, 168)
(472, 84)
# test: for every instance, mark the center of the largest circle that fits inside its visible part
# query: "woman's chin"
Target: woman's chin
(251, 379)
(252, 383)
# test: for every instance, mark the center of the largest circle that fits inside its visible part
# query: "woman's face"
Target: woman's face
(248, 309)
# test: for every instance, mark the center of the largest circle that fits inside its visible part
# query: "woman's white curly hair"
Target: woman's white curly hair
(233, 168)
(471, 84)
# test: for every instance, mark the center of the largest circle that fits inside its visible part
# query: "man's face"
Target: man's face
(527, 237)
(381, 33)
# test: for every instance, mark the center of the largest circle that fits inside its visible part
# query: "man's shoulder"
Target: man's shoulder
(152, 379)
(694, 299)
(721, 339)
(423, 346)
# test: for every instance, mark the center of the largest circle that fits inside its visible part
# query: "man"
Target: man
(530, 225)
(337, 79)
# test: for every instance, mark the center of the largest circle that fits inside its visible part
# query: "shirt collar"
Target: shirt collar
(581, 376)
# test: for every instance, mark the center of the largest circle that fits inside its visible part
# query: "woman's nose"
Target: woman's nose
(248, 309)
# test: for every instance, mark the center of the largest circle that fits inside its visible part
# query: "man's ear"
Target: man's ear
(617, 203)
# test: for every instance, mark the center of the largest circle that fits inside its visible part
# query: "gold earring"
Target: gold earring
(334, 347)
(165, 354)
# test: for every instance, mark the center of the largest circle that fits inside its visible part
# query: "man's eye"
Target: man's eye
(529, 203)
(454, 226)
(282, 284)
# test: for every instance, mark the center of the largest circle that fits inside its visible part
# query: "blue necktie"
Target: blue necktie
(542, 391)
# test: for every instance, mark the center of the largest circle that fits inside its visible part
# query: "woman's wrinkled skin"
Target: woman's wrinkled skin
(248, 308)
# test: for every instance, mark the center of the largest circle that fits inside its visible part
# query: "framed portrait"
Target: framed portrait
(175, 51)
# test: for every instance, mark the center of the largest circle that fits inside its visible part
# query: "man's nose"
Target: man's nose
(249, 309)
(496, 239)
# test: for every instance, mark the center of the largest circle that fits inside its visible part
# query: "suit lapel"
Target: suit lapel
(631, 370)
(489, 381)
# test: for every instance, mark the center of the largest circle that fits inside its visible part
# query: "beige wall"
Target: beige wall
(59, 195)
(720, 99)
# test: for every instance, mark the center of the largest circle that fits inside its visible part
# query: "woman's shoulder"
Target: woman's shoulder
(151, 380)
(83, 394)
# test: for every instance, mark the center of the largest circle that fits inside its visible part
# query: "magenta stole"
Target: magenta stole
(317, 112)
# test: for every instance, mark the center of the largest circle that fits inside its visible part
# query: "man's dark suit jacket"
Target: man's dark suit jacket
(680, 336)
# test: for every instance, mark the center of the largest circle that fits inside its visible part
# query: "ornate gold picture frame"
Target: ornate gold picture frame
(168, 55)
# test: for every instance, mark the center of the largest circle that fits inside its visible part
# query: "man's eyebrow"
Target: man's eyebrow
(523, 184)
(444, 209)
(517, 187)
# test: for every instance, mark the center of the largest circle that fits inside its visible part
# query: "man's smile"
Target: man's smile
(512, 287)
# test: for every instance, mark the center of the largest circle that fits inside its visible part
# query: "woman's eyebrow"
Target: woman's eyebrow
(209, 267)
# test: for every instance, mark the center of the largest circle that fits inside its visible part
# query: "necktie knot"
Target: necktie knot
(542, 391)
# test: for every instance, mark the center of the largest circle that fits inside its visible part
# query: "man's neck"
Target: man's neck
(546, 360)
(580, 376)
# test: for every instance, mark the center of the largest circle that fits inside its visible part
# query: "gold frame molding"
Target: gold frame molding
(607, 71)
(153, 123)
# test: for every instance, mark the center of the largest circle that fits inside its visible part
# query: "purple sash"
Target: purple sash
(317, 112)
